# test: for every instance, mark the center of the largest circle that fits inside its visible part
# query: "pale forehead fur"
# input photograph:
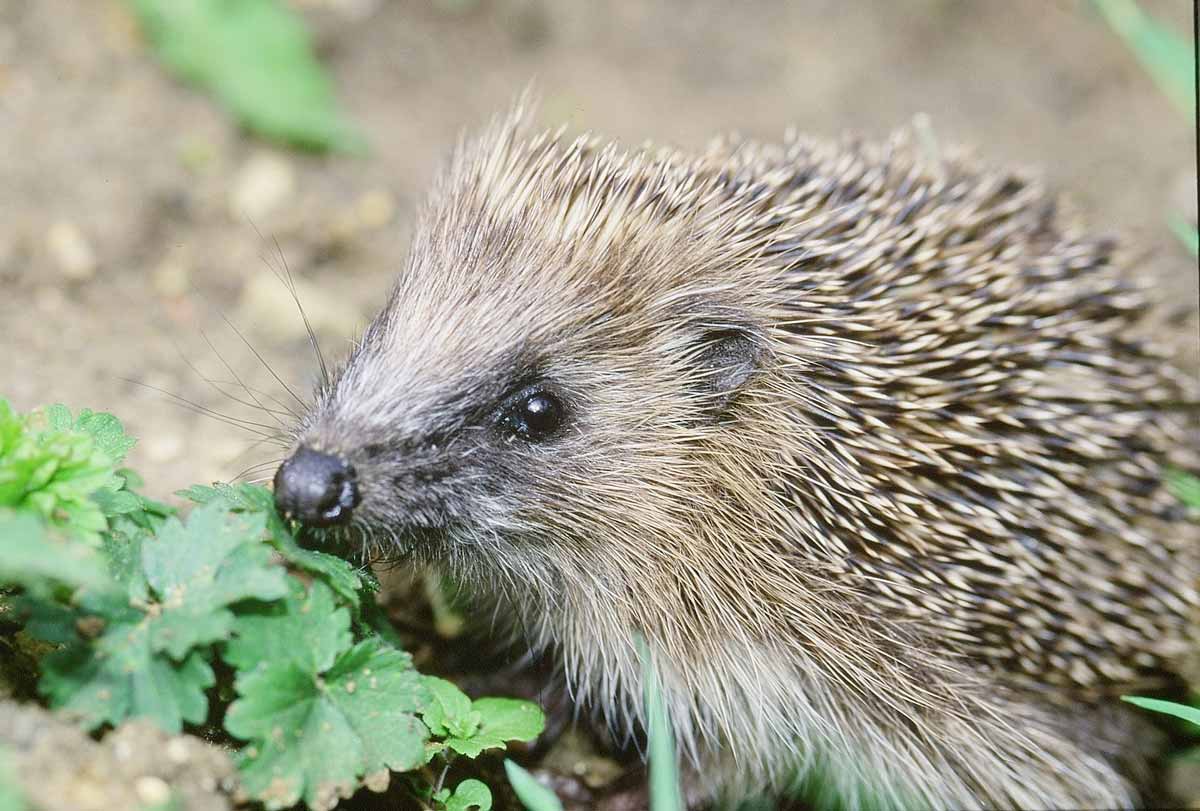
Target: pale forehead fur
(529, 238)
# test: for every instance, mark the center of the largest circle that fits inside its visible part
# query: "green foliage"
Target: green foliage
(64, 469)
(255, 58)
(1191, 714)
(469, 727)
(143, 611)
(469, 795)
(532, 794)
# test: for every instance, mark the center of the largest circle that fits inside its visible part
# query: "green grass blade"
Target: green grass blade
(1186, 233)
(665, 794)
(1183, 711)
(532, 794)
(1166, 55)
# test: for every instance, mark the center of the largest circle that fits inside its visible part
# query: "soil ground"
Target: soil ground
(125, 238)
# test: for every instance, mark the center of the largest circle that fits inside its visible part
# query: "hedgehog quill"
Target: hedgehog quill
(864, 442)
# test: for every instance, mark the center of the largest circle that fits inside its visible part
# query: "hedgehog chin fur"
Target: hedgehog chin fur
(854, 603)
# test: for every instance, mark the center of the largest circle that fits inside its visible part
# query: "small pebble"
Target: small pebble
(71, 251)
(152, 791)
(177, 750)
(263, 184)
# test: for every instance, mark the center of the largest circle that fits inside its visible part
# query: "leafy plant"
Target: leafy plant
(255, 57)
(460, 726)
(144, 612)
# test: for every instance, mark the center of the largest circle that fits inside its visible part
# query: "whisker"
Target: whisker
(290, 283)
(269, 433)
(266, 365)
(238, 378)
(218, 385)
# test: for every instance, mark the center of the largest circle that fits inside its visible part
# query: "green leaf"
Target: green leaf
(469, 727)
(500, 720)
(175, 601)
(198, 570)
(121, 677)
(39, 560)
(532, 794)
(51, 464)
(314, 735)
(254, 56)
(340, 575)
(1183, 711)
(306, 629)
(470, 795)
(448, 706)
(1166, 55)
(104, 429)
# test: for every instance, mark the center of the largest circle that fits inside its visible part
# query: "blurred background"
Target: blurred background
(136, 213)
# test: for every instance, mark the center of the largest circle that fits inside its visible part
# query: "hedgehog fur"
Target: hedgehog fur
(863, 440)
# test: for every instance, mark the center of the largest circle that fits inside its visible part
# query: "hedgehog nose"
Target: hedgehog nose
(317, 488)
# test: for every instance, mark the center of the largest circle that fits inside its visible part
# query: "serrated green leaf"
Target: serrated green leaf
(306, 629)
(120, 677)
(39, 560)
(345, 580)
(532, 794)
(469, 727)
(1183, 711)
(51, 467)
(107, 432)
(447, 706)
(470, 795)
(314, 736)
(197, 570)
(496, 722)
(254, 56)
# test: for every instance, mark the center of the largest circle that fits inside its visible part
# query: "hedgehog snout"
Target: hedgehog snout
(316, 488)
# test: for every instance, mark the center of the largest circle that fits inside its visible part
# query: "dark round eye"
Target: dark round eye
(535, 416)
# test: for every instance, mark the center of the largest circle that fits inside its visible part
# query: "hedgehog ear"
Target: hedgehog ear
(725, 362)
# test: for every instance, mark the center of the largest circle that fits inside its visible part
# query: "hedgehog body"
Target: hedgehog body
(862, 441)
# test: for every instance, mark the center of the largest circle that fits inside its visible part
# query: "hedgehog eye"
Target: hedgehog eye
(534, 416)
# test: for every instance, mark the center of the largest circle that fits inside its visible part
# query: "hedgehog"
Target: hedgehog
(862, 442)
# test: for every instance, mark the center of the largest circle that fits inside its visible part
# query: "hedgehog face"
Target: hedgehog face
(509, 415)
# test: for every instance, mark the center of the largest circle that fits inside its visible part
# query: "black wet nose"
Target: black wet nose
(317, 488)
